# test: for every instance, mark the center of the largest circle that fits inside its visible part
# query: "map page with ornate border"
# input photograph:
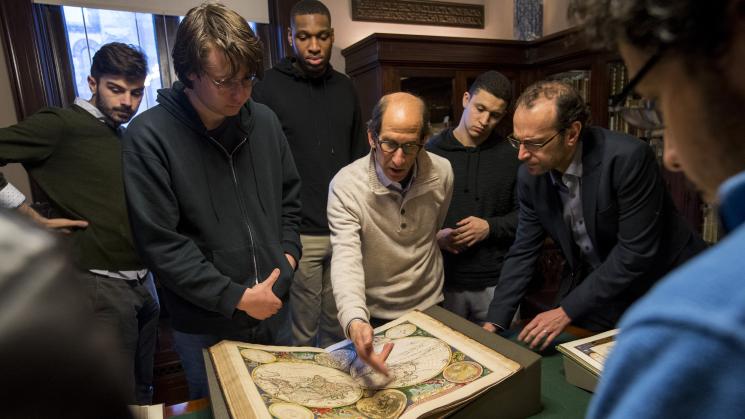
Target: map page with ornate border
(433, 369)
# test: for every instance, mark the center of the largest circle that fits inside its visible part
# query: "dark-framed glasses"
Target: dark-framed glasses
(642, 113)
(530, 145)
(233, 84)
(391, 146)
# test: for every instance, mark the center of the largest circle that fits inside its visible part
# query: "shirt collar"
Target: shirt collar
(97, 113)
(90, 109)
(574, 170)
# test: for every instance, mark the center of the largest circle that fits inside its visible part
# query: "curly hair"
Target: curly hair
(695, 29)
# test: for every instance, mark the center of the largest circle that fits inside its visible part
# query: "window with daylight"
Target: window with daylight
(87, 29)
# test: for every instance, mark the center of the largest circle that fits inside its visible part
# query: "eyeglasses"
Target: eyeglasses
(392, 146)
(233, 84)
(530, 146)
(644, 114)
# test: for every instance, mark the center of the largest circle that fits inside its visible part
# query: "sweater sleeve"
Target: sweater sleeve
(33, 139)
(448, 184)
(154, 215)
(347, 272)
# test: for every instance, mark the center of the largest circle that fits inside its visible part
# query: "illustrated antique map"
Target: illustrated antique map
(433, 369)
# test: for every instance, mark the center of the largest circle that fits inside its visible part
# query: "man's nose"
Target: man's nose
(125, 100)
(314, 45)
(399, 157)
(670, 156)
(522, 153)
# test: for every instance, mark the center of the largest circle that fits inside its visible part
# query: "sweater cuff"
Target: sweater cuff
(355, 313)
(230, 298)
(10, 197)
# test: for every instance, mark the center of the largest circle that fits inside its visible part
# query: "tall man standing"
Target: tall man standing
(601, 197)
(320, 116)
(74, 155)
(681, 350)
(213, 192)
(384, 212)
(480, 225)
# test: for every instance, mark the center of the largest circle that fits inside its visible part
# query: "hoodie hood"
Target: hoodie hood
(287, 66)
(175, 101)
(447, 142)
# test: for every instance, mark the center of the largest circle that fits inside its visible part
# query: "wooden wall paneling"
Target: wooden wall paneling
(22, 56)
(51, 38)
(166, 28)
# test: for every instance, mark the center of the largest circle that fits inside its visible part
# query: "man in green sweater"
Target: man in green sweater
(74, 155)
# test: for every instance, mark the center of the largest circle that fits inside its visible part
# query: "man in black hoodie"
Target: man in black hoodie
(481, 222)
(213, 192)
(320, 116)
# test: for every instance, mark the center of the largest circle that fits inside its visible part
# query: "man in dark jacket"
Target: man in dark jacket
(600, 196)
(320, 116)
(480, 225)
(213, 192)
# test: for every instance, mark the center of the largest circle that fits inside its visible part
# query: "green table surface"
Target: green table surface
(559, 398)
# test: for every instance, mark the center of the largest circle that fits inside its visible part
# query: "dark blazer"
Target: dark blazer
(630, 218)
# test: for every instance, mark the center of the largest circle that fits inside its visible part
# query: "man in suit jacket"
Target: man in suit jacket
(600, 196)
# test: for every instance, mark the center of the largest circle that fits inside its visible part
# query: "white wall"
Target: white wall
(555, 16)
(498, 19)
(14, 173)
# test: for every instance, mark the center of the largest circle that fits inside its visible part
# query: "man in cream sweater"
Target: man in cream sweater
(384, 211)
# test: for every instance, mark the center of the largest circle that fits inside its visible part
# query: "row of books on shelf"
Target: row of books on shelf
(579, 79)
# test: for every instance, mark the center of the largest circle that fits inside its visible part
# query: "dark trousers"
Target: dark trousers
(189, 347)
(128, 311)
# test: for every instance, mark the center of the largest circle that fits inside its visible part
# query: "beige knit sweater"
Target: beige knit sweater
(385, 259)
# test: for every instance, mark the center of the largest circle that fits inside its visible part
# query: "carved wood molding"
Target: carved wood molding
(419, 12)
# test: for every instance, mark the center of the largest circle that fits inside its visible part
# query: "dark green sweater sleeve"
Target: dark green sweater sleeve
(33, 139)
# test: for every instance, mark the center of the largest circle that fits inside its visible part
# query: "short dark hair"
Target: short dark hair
(309, 7)
(376, 121)
(494, 83)
(695, 29)
(212, 25)
(570, 106)
(118, 59)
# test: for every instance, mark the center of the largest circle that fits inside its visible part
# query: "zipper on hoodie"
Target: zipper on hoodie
(241, 203)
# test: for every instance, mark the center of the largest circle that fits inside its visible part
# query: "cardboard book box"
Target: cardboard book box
(517, 396)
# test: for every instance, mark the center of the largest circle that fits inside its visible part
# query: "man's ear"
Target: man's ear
(93, 85)
(370, 139)
(466, 98)
(573, 133)
(289, 37)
